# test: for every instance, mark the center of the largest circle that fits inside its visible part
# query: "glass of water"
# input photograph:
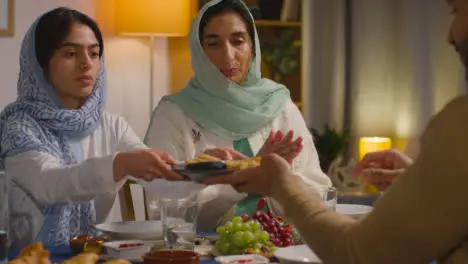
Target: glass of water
(153, 205)
(330, 197)
(179, 220)
(3, 218)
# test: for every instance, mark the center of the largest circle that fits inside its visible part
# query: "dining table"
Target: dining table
(60, 253)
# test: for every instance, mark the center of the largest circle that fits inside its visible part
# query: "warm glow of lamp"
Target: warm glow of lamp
(153, 17)
(373, 144)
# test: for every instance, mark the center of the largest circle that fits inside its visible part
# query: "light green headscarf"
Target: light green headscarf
(221, 106)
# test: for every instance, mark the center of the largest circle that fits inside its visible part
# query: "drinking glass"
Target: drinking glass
(179, 220)
(3, 218)
(330, 197)
(153, 205)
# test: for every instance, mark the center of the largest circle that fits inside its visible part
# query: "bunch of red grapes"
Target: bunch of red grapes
(260, 234)
(280, 232)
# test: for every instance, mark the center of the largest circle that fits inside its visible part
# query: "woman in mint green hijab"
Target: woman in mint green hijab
(227, 104)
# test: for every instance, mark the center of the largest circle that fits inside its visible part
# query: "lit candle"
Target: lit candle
(373, 144)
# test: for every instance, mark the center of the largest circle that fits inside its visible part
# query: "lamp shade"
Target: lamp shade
(373, 144)
(152, 17)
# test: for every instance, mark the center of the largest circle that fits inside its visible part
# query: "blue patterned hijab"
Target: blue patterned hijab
(39, 121)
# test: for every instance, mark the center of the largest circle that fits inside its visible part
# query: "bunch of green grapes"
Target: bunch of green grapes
(244, 236)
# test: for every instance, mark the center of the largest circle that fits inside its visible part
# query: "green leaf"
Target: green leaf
(281, 55)
(297, 43)
(330, 143)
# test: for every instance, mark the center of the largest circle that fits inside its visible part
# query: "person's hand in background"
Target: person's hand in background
(284, 146)
(382, 168)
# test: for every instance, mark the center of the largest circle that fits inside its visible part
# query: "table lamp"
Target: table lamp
(373, 144)
(153, 18)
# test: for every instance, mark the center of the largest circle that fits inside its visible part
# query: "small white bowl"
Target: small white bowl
(255, 259)
(115, 251)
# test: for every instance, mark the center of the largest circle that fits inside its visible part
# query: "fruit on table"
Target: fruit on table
(239, 237)
(280, 232)
(260, 234)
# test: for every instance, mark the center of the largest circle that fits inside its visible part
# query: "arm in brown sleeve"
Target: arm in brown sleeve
(420, 218)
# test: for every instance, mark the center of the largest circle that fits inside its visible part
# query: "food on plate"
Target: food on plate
(87, 243)
(32, 254)
(243, 164)
(202, 158)
(91, 258)
(83, 238)
(230, 164)
(32, 249)
(32, 259)
(128, 245)
(36, 254)
(117, 261)
(242, 259)
(83, 258)
(92, 246)
(126, 249)
(205, 166)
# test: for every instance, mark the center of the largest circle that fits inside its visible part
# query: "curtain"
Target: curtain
(385, 65)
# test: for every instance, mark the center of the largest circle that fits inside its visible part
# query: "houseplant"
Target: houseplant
(330, 144)
(282, 56)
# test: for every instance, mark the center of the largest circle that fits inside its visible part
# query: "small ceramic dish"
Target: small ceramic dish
(92, 244)
(126, 249)
(300, 254)
(171, 257)
(244, 259)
